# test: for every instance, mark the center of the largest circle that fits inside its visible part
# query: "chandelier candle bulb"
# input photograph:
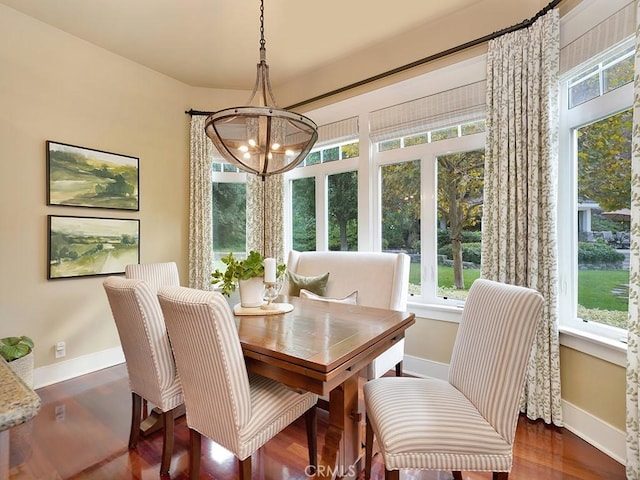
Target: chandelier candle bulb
(270, 270)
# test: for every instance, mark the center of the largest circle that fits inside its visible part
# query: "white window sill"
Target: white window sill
(432, 311)
(608, 349)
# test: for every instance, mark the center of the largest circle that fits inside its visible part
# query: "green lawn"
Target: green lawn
(604, 289)
(445, 276)
(602, 294)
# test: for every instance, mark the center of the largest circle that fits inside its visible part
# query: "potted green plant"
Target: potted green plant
(18, 352)
(247, 274)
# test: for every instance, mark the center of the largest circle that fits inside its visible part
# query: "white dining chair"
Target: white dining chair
(240, 411)
(148, 355)
(468, 422)
(155, 274)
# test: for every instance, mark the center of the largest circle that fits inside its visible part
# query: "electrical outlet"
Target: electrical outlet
(60, 349)
(60, 412)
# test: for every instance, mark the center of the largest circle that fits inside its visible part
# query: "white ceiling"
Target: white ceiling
(215, 43)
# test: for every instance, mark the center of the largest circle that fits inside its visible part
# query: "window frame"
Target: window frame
(459, 74)
(226, 177)
(603, 341)
(321, 172)
(427, 154)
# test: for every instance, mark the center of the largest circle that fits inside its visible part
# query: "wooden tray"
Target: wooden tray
(259, 311)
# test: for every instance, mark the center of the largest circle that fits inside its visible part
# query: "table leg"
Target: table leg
(154, 422)
(341, 452)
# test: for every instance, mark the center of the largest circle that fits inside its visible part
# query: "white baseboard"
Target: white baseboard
(420, 367)
(605, 437)
(58, 372)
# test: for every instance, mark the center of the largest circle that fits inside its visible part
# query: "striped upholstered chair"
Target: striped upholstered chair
(236, 409)
(155, 274)
(468, 422)
(148, 355)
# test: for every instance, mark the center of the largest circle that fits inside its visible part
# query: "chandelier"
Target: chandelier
(261, 138)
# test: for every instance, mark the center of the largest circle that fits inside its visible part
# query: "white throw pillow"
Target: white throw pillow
(351, 299)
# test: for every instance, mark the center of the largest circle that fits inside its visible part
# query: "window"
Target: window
(229, 196)
(431, 209)
(460, 196)
(400, 214)
(331, 154)
(432, 136)
(303, 214)
(604, 181)
(343, 211)
(323, 201)
(389, 194)
(322, 191)
(596, 122)
(614, 71)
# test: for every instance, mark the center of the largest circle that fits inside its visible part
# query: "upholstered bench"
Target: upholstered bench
(381, 280)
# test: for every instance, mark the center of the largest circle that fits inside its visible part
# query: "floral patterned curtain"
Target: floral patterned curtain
(519, 220)
(265, 216)
(200, 215)
(633, 341)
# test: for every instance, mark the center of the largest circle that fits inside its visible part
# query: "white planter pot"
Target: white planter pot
(251, 292)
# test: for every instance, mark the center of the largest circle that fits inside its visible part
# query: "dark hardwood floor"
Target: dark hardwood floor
(81, 433)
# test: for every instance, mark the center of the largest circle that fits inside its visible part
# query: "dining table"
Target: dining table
(321, 347)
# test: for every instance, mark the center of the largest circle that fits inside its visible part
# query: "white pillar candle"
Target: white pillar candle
(270, 270)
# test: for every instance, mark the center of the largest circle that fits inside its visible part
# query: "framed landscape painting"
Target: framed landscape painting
(83, 177)
(86, 246)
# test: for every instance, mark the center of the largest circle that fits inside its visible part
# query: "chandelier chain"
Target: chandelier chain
(262, 42)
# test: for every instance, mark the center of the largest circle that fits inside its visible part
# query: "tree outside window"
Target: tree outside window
(229, 218)
(343, 211)
(460, 197)
(303, 213)
(401, 214)
(604, 183)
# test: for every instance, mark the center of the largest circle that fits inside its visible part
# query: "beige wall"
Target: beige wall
(594, 385)
(480, 19)
(431, 339)
(56, 87)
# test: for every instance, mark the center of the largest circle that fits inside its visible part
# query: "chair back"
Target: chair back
(381, 278)
(210, 362)
(492, 350)
(143, 335)
(155, 274)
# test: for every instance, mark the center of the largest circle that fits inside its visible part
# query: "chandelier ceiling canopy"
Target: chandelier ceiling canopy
(261, 138)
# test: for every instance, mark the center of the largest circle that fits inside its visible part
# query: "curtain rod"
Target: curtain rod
(473, 43)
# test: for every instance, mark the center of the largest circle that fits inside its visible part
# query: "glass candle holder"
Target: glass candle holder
(271, 292)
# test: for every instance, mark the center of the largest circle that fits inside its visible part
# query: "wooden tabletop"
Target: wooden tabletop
(320, 340)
